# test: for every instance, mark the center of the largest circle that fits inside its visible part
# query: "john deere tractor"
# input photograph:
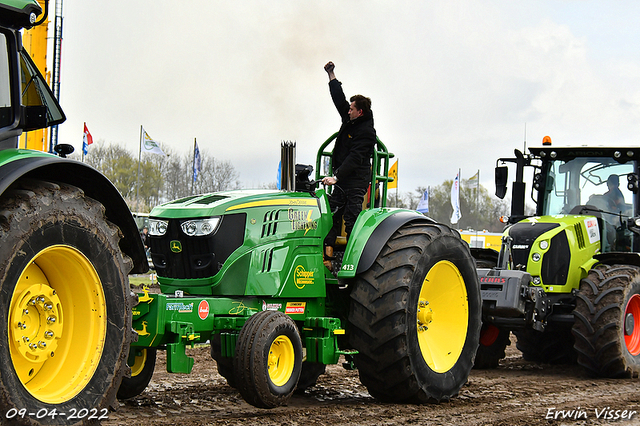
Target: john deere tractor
(244, 270)
(67, 243)
(567, 278)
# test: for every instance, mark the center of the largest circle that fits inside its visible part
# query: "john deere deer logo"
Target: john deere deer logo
(176, 246)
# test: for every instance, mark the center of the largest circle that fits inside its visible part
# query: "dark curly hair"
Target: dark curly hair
(362, 103)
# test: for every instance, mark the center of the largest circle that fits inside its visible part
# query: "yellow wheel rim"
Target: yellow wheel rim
(442, 316)
(281, 360)
(57, 324)
(139, 362)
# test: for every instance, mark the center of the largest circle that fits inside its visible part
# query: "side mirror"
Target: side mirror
(502, 174)
(34, 117)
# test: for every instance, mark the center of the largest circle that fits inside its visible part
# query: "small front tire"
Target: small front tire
(268, 359)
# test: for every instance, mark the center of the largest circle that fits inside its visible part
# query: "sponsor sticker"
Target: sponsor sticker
(295, 308)
(271, 306)
(591, 223)
(180, 307)
(302, 277)
(203, 309)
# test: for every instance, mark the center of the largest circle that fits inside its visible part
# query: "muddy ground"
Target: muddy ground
(516, 393)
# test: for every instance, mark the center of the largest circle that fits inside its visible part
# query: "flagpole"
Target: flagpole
(138, 176)
(477, 199)
(193, 168)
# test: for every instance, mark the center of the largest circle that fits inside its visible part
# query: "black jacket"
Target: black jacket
(354, 145)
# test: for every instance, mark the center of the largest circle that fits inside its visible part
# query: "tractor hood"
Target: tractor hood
(554, 248)
(220, 203)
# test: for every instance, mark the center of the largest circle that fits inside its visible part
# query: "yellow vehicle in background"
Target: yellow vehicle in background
(482, 239)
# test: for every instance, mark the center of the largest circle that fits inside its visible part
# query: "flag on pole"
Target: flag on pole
(279, 176)
(474, 178)
(423, 205)
(455, 200)
(149, 145)
(197, 162)
(86, 140)
(393, 173)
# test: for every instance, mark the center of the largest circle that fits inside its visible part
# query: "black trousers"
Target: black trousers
(347, 204)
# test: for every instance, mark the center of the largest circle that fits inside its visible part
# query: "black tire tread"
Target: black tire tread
(21, 208)
(599, 321)
(379, 318)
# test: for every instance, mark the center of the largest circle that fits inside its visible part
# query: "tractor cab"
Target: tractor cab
(599, 186)
(601, 183)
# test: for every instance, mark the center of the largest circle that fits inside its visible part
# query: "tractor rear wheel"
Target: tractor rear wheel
(607, 321)
(65, 302)
(493, 342)
(268, 359)
(416, 316)
(142, 366)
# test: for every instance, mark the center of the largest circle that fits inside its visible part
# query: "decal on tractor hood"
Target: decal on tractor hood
(302, 277)
(592, 229)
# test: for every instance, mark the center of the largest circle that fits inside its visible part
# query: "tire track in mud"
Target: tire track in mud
(517, 393)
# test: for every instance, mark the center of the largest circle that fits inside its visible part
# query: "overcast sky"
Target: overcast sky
(452, 82)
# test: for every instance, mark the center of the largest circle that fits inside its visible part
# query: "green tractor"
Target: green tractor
(567, 279)
(67, 243)
(244, 271)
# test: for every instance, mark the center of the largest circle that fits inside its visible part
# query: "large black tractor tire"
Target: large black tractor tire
(493, 342)
(268, 359)
(554, 345)
(224, 364)
(144, 362)
(607, 321)
(415, 316)
(65, 304)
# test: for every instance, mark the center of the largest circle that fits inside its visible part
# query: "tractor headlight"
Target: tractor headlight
(158, 227)
(200, 227)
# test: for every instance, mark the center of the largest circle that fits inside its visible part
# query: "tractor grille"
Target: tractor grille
(199, 257)
(524, 235)
(555, 265)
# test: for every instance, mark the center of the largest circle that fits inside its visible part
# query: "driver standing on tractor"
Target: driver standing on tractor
(351, 166)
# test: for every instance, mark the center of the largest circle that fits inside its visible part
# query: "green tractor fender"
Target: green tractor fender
(372, 230)
(16, 164)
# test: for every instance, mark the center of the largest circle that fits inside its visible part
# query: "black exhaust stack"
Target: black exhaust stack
(288, 166)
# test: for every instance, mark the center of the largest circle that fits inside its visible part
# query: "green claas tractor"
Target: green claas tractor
(67, 243)
(567, 278)
(244, 271)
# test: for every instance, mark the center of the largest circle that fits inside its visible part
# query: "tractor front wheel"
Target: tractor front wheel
(268, 359)
(607, 321)
(416, 316)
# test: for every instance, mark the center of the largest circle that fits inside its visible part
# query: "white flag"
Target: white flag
(149, 145)
(423, 205)
(455, 200)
